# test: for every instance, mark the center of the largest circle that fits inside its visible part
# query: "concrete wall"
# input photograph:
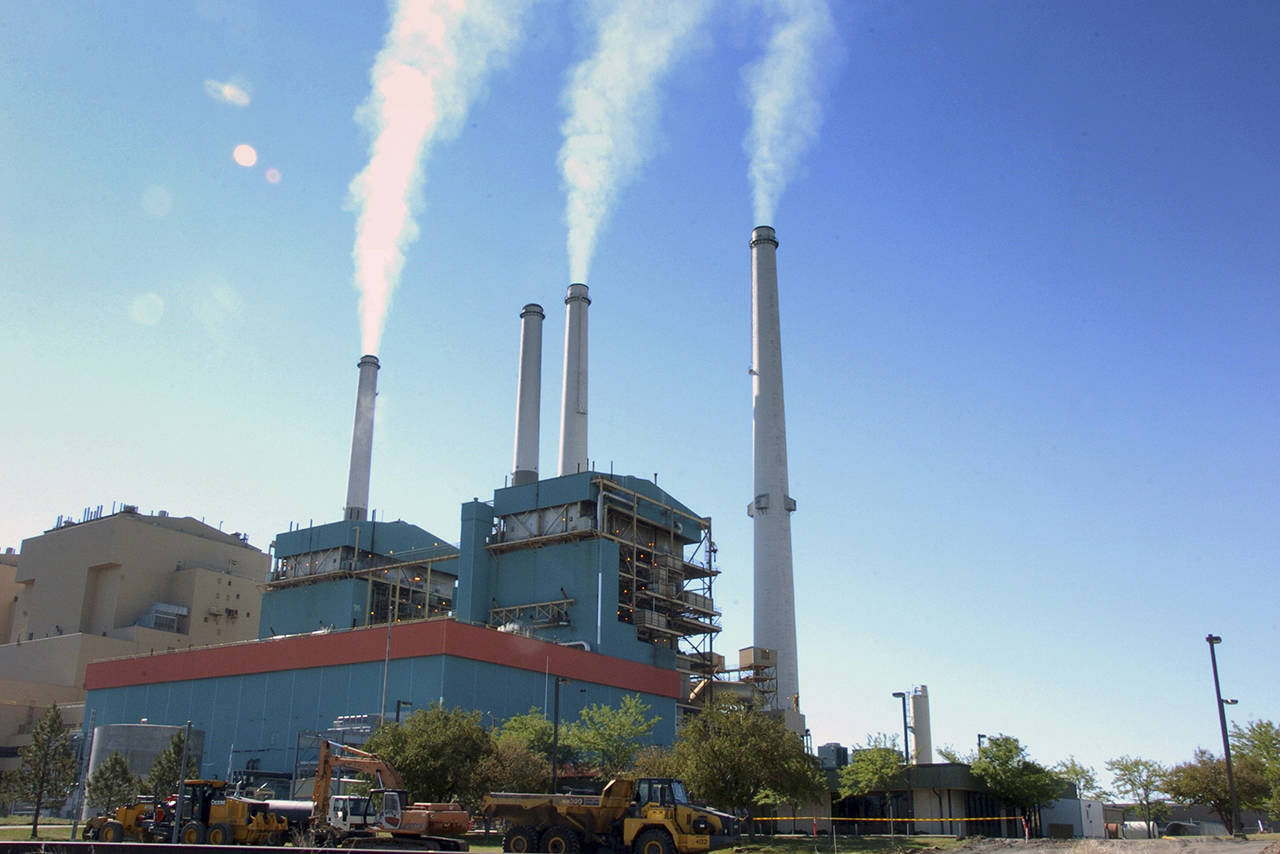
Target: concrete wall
(80, 589)
(100, 575)
(18, 715)
(940, 804)
(10, 590)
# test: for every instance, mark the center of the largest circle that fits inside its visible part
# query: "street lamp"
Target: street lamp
(981, 736)
(1236, 830)
(399, 704)
(906, 751)
(555, 736)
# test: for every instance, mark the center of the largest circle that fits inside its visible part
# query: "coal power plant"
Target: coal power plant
(603, 579)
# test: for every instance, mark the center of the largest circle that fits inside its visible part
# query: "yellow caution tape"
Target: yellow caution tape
(894, 820)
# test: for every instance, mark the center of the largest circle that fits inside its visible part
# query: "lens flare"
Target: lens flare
(147, 309)
(272, 175)
(245, 155)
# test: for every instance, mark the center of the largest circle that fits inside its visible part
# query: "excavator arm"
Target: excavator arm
(335, 756)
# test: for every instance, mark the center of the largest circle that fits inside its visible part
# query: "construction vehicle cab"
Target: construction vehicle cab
(356, 820)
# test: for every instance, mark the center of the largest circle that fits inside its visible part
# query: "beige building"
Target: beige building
(9, 589)
(116, 585)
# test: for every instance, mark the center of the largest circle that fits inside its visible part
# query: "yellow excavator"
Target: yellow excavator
(386, 817)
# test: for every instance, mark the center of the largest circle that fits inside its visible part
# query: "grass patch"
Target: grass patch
(47, 831)
(26, 819)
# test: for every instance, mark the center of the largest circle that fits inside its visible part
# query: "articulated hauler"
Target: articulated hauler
(650, 815)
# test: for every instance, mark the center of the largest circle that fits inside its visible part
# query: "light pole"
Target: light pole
(906, 749)
(555, 736)
(981, 736)
(399, 704)
(1236, 830)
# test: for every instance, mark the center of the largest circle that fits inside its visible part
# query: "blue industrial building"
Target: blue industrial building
(601, 579)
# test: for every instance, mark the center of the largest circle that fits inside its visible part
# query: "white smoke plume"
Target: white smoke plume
(783, 86)
(612, 102)
(433, 64)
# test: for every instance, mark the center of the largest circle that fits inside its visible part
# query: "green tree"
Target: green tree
(654, 760)
(112, 784)
(735, 756)
(1084, 778)
(874, 768)
(609, 738)
(47, 770)
(537, 733)
(1260, 742)
(950, 754)
(1006, 769)
(1203, 781)
(532, 728)
(8, 791)
(511, 766)
(438, 752)
(165, 773)
(1140, 780)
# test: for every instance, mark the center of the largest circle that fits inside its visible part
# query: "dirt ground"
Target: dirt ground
(1178, 845)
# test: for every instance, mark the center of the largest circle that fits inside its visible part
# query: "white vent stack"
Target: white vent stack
(524, 468)
(573, 402)
(362, 441)
(923, 754)
(775, 610)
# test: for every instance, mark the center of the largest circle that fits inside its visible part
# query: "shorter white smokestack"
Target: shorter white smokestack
(362, 441)
(528, 396)
(923, 754)
(573, 402)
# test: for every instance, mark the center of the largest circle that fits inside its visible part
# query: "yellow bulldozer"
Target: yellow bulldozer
(650, 815)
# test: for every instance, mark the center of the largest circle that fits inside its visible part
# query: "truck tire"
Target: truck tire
(655, 840)
(560, 839)
(521, 839)
(220, 834)
(112, 831)
(192, 833)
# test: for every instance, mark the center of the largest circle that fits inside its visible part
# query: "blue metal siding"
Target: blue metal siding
(294, 610)
(261, 715)
(383, 538)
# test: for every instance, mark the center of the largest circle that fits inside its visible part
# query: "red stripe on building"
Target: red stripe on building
(361, 646)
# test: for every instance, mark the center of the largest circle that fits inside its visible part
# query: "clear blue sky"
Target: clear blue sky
(1030, 301)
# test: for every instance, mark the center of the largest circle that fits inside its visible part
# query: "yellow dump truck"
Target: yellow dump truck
(650, 815)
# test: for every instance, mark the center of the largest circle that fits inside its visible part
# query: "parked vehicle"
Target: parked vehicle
(385, 817)
(651, 815)
(206, 813)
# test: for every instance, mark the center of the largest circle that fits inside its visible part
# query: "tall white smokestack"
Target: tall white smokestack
(775, 610)
(573, 401)
(362, 441)
(920, 730)
(528, 396)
